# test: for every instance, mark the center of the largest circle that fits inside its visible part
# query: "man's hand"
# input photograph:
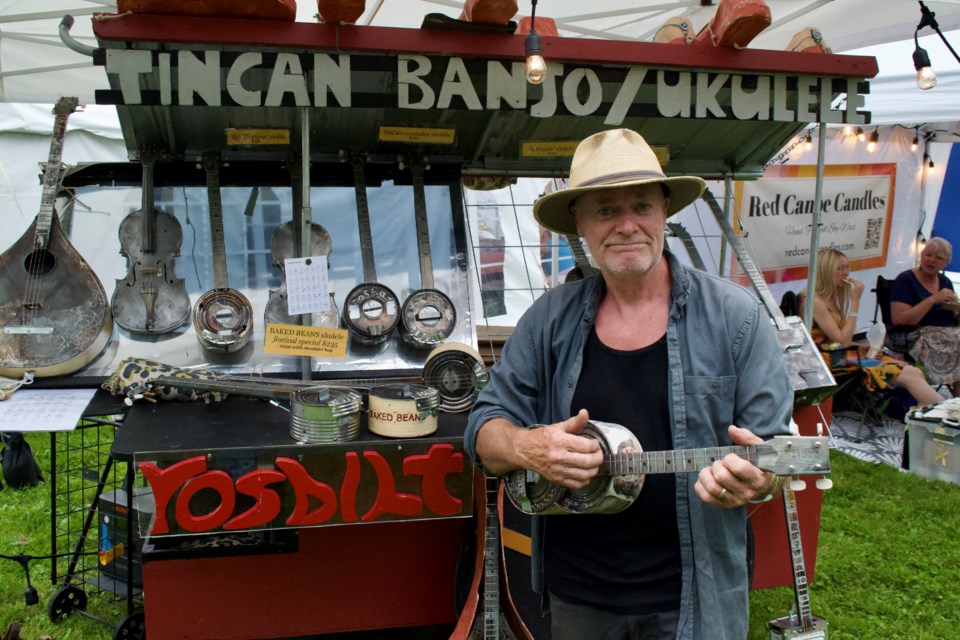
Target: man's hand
(554, 451)
(558, 453)
(732, 481)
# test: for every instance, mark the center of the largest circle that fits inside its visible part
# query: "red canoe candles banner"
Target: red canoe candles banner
(237, 489)
(776, 213)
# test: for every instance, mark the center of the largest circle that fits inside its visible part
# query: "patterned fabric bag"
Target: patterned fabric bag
(134, 379)
(938, 350)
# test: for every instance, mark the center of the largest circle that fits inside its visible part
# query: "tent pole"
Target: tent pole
(305, 218)
(815, 231)
(727, 198)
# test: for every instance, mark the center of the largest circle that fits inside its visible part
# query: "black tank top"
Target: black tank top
(629, 561)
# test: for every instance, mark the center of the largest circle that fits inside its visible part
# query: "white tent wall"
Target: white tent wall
(505, 218)
(93, 135)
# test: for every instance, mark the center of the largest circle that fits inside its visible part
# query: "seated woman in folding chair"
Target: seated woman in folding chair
(924, 297)
(835, 305)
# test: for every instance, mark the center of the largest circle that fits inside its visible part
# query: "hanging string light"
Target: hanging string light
(874, 139)
(860, 135)
(536, 69)
(926, 78)
(808, 142)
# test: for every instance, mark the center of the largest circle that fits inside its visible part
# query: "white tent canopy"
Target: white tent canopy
(894, 97)
(35, 66)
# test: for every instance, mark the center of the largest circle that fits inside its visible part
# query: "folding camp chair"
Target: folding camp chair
(898, 340)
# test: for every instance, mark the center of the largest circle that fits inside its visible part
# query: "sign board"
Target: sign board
(417, 82)
(274, 488)
(775, 214)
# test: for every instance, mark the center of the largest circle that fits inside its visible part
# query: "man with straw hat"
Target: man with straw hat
(675, 355)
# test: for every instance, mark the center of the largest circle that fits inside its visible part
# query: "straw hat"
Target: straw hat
(606, 160)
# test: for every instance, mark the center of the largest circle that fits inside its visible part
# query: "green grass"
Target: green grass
(886, 558)
(25, 529)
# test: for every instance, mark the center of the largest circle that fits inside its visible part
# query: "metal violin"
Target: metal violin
(150, 299)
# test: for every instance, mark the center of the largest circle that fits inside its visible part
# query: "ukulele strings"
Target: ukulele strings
(32, 300)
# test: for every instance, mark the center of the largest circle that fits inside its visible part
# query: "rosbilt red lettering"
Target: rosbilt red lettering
(180, 482)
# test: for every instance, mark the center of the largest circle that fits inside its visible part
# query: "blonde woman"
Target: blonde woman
(836, 303)
(924, 297)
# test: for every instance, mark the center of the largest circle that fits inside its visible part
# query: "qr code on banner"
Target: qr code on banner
(874, 229)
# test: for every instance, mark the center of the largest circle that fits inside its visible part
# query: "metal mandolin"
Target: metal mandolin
(54, 316)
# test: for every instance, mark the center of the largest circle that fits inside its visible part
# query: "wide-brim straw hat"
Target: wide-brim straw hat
(607, 160)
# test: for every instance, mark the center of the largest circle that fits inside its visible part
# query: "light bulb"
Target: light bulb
(536, 69)
(926, 78)
(860, 136)
(808, 143)
(915, 144)
(871, 146)
(874, 139)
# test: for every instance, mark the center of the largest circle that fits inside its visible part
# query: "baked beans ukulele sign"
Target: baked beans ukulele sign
(241, 490)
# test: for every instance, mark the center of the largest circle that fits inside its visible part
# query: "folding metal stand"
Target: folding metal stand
(82, 472)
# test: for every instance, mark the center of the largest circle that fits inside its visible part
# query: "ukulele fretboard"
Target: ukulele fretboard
(681, 461)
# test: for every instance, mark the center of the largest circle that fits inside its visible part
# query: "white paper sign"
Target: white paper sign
(776, 214)
(308, 288)
(44, 409)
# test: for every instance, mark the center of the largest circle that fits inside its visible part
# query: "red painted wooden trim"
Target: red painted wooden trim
(390, 40)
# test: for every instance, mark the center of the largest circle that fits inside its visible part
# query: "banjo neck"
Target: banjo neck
(796, 559)
(679, 461)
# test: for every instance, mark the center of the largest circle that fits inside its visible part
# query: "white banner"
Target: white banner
(775, 215)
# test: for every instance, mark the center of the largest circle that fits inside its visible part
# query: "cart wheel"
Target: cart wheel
(131, 628)
(64, 601)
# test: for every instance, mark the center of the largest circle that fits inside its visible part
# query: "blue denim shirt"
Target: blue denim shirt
(725, 367)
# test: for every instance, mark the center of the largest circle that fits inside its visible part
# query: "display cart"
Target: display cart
(88, 497)
(338, 124)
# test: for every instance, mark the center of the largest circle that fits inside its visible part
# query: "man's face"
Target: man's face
(623, 227)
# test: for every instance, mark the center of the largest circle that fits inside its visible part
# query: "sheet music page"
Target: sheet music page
(44, 409)
(307, 285)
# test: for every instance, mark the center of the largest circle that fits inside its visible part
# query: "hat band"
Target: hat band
(621, 177)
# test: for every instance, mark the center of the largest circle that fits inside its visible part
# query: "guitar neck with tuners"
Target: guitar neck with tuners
(51, 173)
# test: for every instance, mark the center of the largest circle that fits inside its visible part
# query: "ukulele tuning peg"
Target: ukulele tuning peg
(819, 428)
(797, 484)
(824, 484)
(794, 428)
